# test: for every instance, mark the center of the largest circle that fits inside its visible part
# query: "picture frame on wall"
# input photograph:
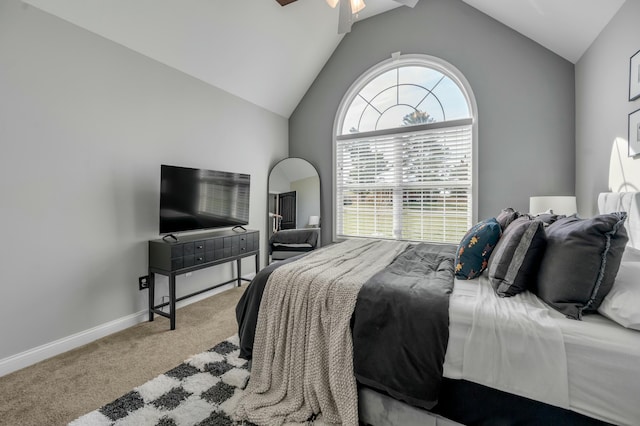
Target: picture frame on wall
(634, 133)
(634, 76)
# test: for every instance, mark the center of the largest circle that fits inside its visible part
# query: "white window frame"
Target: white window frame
(399, 60)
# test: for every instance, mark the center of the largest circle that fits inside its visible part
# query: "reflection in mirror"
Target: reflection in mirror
(294, 208)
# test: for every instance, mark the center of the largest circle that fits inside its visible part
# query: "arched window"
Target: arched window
(403, 153)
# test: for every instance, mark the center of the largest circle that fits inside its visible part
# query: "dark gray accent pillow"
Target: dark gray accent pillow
(507, 216)
(513, 265)
(549, 218)
(581, 262)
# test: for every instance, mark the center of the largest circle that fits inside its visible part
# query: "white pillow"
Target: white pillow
(622, 304)
(631, 254)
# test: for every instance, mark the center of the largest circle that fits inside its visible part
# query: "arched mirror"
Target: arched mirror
(294, 209)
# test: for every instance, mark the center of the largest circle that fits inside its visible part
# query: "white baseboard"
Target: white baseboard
(40, 353)
(48, 350)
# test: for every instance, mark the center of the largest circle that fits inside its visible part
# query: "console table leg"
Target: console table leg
(152, 288)
(172, 301)
(239, 272)
(257, 262)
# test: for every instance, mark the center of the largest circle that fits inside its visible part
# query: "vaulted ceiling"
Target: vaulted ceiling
(269, 55)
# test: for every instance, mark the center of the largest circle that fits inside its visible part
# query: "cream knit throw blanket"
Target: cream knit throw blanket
(303, 351)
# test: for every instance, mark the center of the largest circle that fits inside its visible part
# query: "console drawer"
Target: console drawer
(201, 249)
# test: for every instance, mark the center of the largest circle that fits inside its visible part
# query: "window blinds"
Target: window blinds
(411, 183)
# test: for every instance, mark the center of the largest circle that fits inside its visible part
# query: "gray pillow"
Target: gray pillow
(549, 218)
(506, 216)
(581, 262)
(513, 265)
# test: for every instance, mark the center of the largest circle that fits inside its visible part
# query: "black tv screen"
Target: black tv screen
(192, 199)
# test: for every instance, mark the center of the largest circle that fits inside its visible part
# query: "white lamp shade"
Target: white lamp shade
(357, 6)
(314, 221)
(557, 204)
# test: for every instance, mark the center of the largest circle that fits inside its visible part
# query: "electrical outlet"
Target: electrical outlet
(143, 282)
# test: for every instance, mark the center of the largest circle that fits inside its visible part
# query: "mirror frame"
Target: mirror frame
(268, 219)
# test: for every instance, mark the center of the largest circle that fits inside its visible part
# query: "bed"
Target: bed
(292, 242)
(498, 360)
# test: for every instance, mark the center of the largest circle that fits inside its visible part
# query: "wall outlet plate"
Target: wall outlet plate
(143, 282)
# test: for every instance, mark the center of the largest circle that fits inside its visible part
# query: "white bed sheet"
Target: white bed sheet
(507, 337)
(603, 359)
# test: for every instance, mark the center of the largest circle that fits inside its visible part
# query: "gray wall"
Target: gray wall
(84, 126)
(602, 106)
(308, 199)
(278, 181)
(525, 97)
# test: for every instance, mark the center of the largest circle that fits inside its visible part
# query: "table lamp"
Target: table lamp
(557, 204)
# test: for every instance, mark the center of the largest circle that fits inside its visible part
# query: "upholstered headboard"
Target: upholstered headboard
(629, 202)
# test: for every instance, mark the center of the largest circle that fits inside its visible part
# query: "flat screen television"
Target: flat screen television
(194, 199)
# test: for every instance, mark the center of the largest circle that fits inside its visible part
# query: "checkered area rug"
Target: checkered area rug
(201, 391)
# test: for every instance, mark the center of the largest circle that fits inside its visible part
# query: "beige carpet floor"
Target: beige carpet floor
(62, 388)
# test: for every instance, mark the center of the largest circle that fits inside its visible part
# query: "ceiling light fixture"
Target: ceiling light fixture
(348, 12)
(356, 5)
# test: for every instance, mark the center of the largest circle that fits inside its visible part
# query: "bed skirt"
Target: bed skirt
(466, 403)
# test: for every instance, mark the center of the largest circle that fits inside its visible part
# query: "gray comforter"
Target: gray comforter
(400, 323)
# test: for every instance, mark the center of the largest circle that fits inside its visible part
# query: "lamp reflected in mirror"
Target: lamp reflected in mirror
(314, 221)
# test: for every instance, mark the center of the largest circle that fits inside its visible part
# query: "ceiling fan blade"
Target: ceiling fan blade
(285, 2)
(409, 3)
(345, 19)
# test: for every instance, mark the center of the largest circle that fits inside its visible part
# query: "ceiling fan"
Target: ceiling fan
(349, 9)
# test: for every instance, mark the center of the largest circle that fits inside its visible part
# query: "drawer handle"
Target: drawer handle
(200, 258)
(199, 247)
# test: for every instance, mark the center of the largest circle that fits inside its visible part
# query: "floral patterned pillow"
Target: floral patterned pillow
(475, 248)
